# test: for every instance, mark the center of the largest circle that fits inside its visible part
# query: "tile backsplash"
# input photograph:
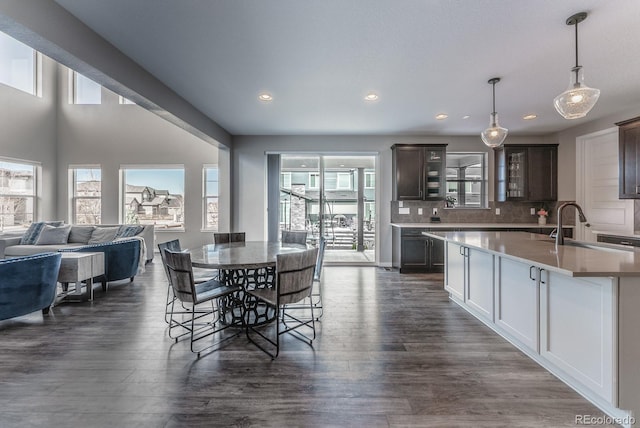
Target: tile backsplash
(510, 212)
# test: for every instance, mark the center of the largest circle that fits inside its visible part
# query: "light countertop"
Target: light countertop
(443, 225)
(611, 260)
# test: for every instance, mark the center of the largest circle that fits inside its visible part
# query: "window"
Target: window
(369, 180)
(85, 90)
(86, 186)
(17, 194)
(285, 180)
(18, 64)
(210, 200)
(467, 180)
(343, 181)
(314, 180)
(153, 195)
(124, 100)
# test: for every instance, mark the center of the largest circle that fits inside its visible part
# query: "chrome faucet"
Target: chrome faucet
(559, 233)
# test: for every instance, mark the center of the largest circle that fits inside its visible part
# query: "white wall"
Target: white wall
(567, 149)
(249, 172)
(28, 126)
(113, 134)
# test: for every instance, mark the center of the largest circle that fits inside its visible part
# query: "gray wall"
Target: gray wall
(28, 126)
(249, 177)
(113, 134)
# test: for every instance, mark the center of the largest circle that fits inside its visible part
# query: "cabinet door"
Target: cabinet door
(454, 270)
(415, 253)
(630, 160)
(408, 164)
(542, 173)
(516, 159)
(517, 301)
(434, 173)
(578, 329)
(480, 282)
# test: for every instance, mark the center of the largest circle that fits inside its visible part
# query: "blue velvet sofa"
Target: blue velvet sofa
(121, 258)
(28, 284)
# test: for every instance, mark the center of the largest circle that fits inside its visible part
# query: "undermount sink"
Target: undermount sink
(592, 245)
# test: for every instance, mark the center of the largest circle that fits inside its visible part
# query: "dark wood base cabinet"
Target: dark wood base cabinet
(414, 252)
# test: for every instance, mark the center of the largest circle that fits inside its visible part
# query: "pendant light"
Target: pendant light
(494, 135)
(578, 99)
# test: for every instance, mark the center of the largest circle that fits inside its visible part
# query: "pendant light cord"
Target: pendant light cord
(494, 101)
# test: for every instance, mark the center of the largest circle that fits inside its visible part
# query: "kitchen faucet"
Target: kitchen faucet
(559, 233)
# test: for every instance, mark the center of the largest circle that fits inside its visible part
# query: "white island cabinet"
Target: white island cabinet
(573, 309)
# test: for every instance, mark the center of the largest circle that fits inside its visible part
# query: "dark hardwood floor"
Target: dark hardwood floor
(392, 351)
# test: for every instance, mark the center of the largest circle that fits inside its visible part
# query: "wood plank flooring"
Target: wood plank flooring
(392, 351)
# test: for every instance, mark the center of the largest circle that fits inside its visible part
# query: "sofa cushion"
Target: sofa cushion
(30, 237)
(129, 230)
(80, 234)
(50, 235)
(103, 234)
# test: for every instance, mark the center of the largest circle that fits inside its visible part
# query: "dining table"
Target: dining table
(250, 264)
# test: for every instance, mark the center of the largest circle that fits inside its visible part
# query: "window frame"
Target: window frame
(36, 71)
(373, 177)
(73, 88)
(316, 179)
(123, 214)
(35, 195)
(206, 197)
(461, 185)
(73, 182)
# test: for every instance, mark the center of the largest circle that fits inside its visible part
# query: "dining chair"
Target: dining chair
(294, 283)
(237, 237)
(294, 237)
(222, 298)
(202, 275)
(316, 294)
(221, 238)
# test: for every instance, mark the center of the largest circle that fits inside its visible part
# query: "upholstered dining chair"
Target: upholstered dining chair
(294, 237)
(216, 297)
(237, 237)
(294, 283)
(202, 275)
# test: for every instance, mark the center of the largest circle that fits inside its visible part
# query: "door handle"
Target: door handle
(541, 281)
(531, 275)
(462, 251)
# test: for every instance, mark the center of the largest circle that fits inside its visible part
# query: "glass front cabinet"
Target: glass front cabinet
(527, 172)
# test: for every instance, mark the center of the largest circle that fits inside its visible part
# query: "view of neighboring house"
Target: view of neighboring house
(146, 205)
(16, 196)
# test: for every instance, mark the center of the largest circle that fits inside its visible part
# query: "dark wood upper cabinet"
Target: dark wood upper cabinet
(419, 172)
(526, 172)
(629, 154)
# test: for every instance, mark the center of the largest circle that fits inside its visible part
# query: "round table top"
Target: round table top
(241, 255)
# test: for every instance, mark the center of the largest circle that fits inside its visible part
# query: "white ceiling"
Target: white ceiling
(423, 57)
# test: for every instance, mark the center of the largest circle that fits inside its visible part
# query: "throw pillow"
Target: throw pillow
(81, 234)
(129, 230)
(103, 234)
(33, 232)
(51, 235)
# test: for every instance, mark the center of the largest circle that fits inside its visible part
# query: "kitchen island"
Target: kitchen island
(571, 308)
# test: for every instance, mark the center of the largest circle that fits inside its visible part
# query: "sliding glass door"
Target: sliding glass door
(333, 197)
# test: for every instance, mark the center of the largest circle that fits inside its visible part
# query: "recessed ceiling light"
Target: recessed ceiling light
(529, 116)
(441, 116)
(265, 97)
(371, 96)
(466, 117)
(303, 165)
(341, 164)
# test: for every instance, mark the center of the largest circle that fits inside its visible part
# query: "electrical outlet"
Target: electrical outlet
(419, 211)
(435, 211)
(497, 211)
(533, 211)
(400, 204)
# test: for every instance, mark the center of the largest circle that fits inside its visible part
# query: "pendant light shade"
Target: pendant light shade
(578, 99)
(494, 135)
